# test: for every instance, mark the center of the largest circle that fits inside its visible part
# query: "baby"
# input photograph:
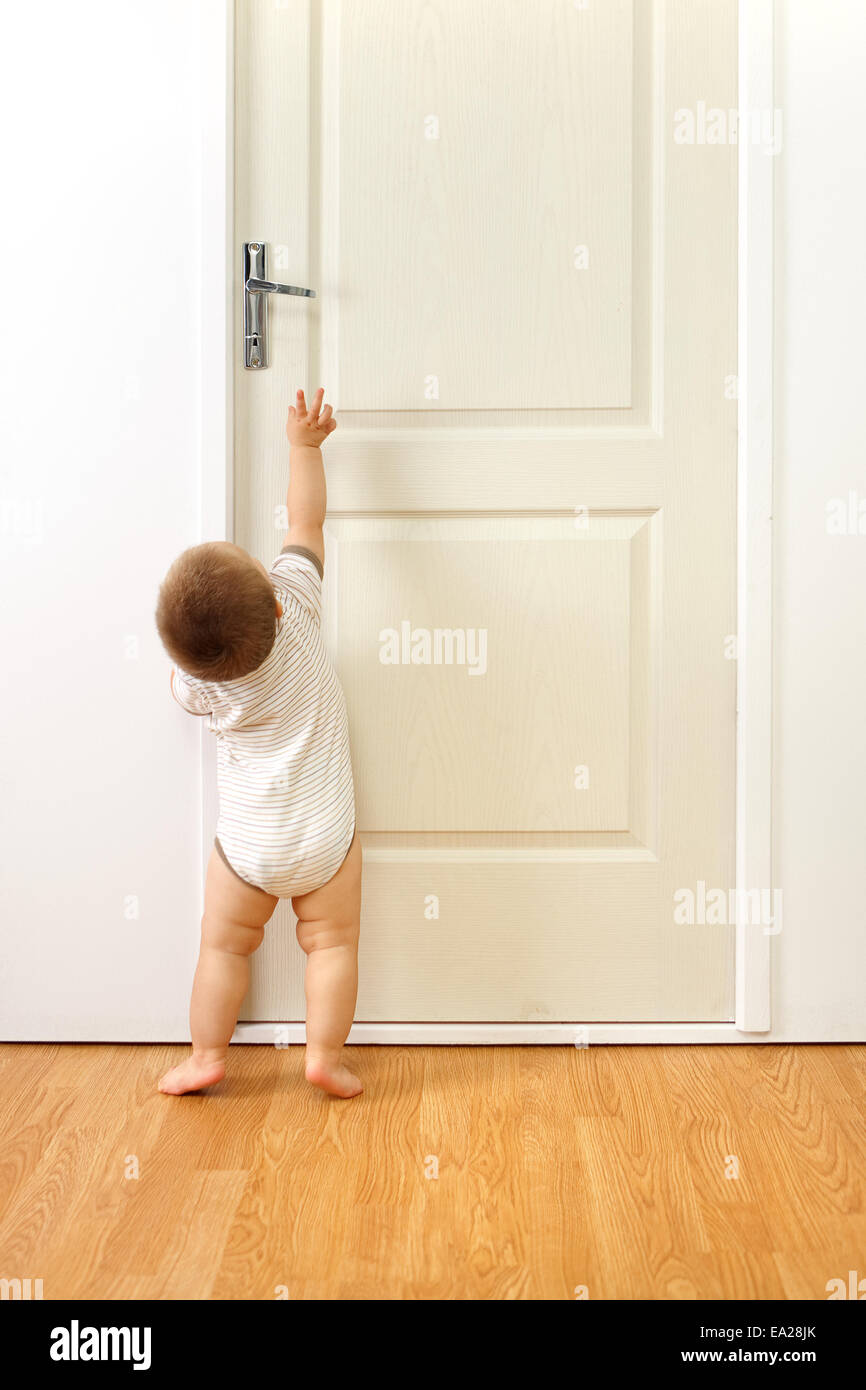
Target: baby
(248, 649)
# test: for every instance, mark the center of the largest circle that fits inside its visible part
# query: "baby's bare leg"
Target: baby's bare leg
(329, 921)
(232, 928)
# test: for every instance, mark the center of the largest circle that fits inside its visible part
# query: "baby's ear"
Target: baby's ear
(279, 608)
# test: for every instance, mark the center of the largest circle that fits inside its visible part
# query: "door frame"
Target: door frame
(754, 859)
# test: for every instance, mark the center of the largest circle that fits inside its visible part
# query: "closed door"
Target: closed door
(521, 224)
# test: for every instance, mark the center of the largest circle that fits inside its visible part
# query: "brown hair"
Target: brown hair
(216, 613)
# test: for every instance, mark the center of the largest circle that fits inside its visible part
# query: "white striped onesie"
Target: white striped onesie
(287, 804)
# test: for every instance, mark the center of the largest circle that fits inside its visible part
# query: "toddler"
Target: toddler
(248, 651)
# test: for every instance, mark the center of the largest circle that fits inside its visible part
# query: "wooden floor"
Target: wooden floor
(558, 1170)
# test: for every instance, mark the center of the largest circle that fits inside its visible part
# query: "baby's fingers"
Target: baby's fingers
(316, 406)
(302, 404)
(325, 415)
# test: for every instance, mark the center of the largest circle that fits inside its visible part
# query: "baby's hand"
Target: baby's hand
(309, 427)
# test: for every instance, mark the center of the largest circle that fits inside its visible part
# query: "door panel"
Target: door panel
(469, 252)
(526, 320)
(477, 742)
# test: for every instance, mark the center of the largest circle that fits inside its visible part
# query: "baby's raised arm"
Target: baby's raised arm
(306, 431)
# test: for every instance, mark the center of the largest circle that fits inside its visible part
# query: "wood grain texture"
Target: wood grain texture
(557, 1168)
(543, 624)
(477, 145)
(606, 647)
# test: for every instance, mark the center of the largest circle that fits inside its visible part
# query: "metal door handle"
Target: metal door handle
(271, 287)
(257, 287)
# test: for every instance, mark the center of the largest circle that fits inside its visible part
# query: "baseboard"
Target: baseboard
(505, 1034)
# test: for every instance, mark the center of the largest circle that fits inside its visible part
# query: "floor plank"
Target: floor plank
(462, 1173)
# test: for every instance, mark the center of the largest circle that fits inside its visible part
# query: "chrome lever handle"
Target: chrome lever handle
(257, 287)
(272, 287)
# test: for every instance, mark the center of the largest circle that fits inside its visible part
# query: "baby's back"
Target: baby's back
(287, 813)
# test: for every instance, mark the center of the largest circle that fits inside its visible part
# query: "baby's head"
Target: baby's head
(217, 612)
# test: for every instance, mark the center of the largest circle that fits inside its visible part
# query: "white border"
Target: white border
(754, 603)
(217, 31)
(755, 512)
(216, 27)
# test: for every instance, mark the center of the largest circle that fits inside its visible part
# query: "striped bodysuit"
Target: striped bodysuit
(287, 804)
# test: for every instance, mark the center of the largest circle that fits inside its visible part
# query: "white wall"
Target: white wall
(820, 589)
(99, 488)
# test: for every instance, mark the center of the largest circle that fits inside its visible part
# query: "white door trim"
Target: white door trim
(218, 325)
(754, 516)
(754, 470)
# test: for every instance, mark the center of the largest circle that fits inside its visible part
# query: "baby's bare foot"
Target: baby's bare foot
(192, 1075)
(333, 1077)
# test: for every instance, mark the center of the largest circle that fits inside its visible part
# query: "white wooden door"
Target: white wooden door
(526, 321)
